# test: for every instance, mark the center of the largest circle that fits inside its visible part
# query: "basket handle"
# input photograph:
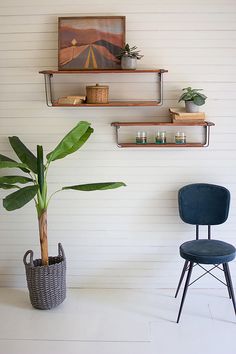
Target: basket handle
(31, 258)
(61, 251)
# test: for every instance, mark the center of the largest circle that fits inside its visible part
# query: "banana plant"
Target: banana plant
(36, 169)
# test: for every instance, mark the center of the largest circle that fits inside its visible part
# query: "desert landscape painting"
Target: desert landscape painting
(90, 43)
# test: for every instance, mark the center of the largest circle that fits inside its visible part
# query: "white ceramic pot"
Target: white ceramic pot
(128, 63)
(191, 107)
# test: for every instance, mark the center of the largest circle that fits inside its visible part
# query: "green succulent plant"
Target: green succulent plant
(36, 170)
(193, 95)
(131, 52)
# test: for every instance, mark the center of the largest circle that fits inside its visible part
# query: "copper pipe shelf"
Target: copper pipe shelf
(205, 125)
(121, 71)
(110, 104)
(146, 124)
(52, 102)
(153, 145)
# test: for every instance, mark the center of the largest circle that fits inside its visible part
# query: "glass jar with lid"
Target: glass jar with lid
(161, 137)
(180, 138)
(141, 137)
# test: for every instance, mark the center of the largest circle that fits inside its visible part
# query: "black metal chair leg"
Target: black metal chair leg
(185, 289)
(231, 286)
(181, 277)
(227, 280)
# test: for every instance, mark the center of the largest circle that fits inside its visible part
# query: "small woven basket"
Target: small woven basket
(46, 284)
(97, 94)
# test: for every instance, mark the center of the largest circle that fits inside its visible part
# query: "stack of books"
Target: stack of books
(180, 115)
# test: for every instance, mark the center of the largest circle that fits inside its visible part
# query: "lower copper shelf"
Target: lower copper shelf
(152, 145)
(204, 125)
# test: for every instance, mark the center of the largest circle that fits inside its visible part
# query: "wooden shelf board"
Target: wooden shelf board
(110, 104)
(120, 71)
(153, 145)
(130, 124)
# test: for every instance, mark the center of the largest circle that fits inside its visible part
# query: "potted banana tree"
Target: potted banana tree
(46, 277)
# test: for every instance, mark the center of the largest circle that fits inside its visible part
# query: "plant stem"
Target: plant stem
(59, 190)
(43, 233)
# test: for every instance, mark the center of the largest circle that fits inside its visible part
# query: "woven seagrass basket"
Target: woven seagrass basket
(46, 284)
(97, 94)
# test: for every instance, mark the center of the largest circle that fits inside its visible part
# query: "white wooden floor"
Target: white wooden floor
(118, 322)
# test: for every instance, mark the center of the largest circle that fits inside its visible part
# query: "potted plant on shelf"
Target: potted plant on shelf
(129, 56)
(46, 276)
(193, 99)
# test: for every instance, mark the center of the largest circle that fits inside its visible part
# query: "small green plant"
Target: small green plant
(36, 167)
(131, 52)
(193, 95)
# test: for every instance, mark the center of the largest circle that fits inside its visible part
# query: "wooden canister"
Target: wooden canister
(97, 94)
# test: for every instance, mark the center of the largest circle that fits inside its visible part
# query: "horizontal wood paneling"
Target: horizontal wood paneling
(125, 238)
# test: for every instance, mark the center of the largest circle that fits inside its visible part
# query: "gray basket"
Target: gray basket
(46, 284)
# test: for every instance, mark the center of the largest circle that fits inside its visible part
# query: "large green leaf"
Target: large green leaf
(15, 179)
(202, 95)
(19, 198)
(12, 164)
(40, 167)
(71, 142)
(7, 186)
(5, 158)
(96, 186)
(199, 101)
(6, 162)
(24, 154)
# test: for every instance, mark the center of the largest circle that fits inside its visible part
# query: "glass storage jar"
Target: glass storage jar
(180, 138)
(141, 137)
(161, 137)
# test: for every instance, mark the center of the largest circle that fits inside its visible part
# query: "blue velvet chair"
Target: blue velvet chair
(205, 204)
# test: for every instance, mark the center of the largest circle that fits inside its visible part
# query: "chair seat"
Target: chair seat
(207, 251)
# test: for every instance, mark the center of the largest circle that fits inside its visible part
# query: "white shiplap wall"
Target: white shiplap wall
(126, 238)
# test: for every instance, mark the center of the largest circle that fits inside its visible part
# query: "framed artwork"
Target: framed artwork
(90, 43)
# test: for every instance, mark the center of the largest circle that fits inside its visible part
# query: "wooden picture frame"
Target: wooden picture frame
(90, 43)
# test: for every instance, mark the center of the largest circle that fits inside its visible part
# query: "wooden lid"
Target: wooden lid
(97, 86)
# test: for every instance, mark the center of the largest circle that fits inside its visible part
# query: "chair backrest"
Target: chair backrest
(204, 204)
